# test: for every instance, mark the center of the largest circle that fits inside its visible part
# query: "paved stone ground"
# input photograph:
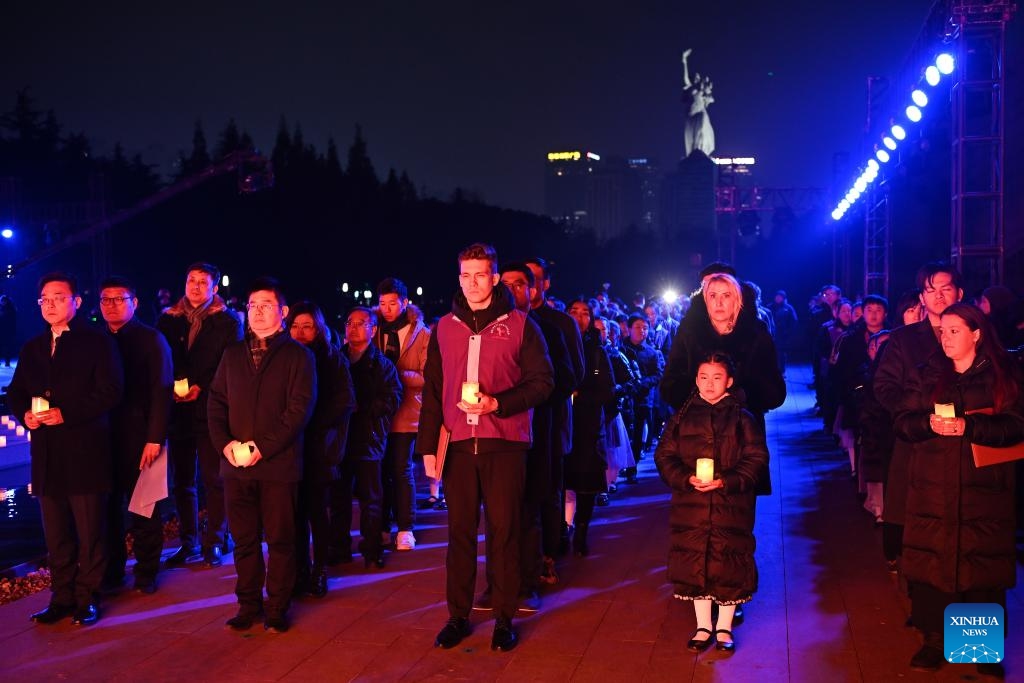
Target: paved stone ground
(826, 609)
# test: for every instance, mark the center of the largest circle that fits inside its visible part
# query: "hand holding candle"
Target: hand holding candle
(945, 410)
(181, 387)
(242, 454)
(706, 470)
(470, 391)
(39, 405)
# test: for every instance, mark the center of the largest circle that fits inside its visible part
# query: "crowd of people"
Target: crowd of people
(533, 410)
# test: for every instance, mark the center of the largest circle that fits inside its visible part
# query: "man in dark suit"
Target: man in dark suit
(197, 328)
(67, 381)
(261, 400)
(139, 426)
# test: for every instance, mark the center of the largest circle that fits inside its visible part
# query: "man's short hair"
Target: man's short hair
(633, 318)
(267, 284)
(876, 299)
(928, 271)
(519, 267)
(207, 268)
(370, 315)
(834, 288)
(478, 251)
(59, 276)
(540, 262)
(392, 285)
(118, 282)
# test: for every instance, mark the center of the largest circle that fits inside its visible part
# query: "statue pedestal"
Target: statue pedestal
(688, 205)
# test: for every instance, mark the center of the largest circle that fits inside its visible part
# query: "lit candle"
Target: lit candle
(181, 386)
(945, 410)
(4, 419)
(705, 470)
(39, 405)
(20, 431)
(470, 391)
(3, 441)
(242, 453)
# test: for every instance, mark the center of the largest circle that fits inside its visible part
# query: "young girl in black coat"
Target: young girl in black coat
(711, 554)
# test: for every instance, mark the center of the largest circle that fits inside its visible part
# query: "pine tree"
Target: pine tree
(229, 140)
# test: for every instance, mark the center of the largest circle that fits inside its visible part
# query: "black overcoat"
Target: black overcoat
(327, 432)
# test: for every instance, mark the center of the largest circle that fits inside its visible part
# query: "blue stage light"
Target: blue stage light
(932, 76)
(7, 233)
(898, 132)
(860, 185)
(836, 214)
(844, 205)
(873, 165)
(913, 113)
(882, 156)
(920, 99)
(889, 142)
(945, 63)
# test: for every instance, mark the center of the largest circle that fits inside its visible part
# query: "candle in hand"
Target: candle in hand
(181, 386)
(3, 441)
(470, 391)
(945, 410)
(705, 470)
(242, 453)
(39, 405)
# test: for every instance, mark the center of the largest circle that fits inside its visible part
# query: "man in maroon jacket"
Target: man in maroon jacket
(487, 367)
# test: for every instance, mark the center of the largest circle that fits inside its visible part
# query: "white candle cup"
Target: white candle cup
(4, 420)
(3, 441)
(39, 405)
(945, 410)
(20, 431)
(706, 470)
(181, 386)
(242, 454)
(470, 391)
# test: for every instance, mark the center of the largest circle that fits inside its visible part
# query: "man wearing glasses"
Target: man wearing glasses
(67, 381)
(139, 426)
(260, 402)
(198, 328)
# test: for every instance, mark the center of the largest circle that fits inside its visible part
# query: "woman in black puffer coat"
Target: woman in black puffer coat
(958, 544)
(711, 554)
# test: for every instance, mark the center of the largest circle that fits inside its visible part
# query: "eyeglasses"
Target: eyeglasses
(114, 300)
(357, 323)
(55, 301)
(265, 308)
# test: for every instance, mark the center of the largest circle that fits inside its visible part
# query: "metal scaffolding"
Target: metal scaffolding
(977, 29)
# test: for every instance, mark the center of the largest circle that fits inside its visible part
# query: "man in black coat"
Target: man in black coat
(261, 400)
(67, 381)
(198, 328)
(139, 426)
(378, 395)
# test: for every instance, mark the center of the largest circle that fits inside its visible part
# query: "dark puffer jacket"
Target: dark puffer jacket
(960, 518)
(711, 550)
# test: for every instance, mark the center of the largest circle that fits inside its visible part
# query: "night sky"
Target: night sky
(464, 93)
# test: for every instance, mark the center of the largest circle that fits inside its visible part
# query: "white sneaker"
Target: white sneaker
(405, 541)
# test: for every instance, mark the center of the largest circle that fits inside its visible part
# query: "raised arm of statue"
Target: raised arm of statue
(686, 72)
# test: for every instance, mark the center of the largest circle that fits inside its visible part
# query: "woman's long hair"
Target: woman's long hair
(1005, 389)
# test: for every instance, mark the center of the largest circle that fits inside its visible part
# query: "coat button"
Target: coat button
(46, 393)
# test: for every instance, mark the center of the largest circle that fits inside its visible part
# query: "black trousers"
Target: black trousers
(74, 528)
(362, 476)
(254, 505)
(147, 536)
(928, 606)
(312, 517)
(399, 482)
(189, 455)
(644, 416)
(496, 479)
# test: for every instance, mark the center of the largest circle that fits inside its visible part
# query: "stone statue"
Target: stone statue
(698, 133)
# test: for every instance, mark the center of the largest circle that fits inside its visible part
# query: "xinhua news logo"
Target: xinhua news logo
(973, 633)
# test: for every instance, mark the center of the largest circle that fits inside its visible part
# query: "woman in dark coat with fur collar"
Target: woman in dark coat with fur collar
(958, 545)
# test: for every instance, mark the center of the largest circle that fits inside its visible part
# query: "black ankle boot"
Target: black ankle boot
(318, 582)
(579, 540)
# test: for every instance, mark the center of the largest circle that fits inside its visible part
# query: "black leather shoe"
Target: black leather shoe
(725, 645)
(737, 616)
(928, 658)
(698, 645)
(183, 555)
(52, 614)
(992, 669)
(504, 638)
(276, 624)
(145, 586)
(318, 583)
(374, 560)
(85, 616)
(453, 632)
(212, 557)
(243, 621)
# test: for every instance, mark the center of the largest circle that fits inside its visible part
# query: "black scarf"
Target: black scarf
(392, 346)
